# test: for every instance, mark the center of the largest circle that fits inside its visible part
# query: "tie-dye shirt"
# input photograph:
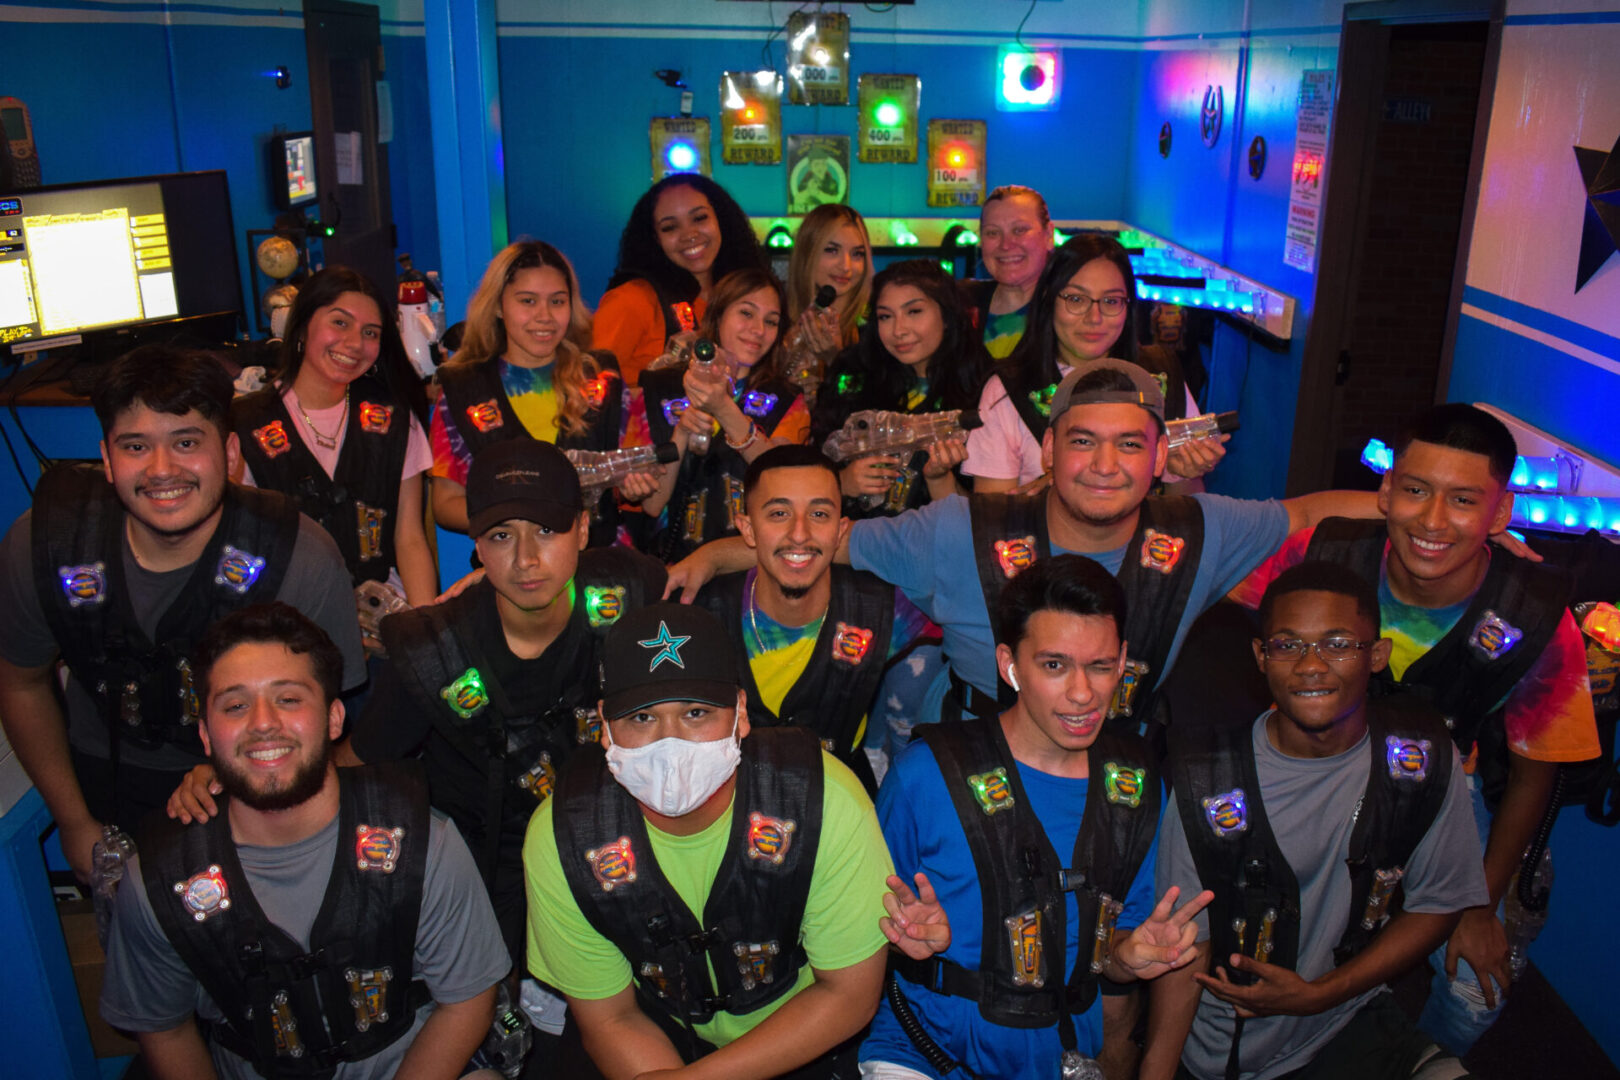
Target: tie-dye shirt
(778, 655)
(1548, 713)
(1003, 332)
(533, 400)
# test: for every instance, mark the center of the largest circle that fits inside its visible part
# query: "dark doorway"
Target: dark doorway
(1402, 172)
(343, 42)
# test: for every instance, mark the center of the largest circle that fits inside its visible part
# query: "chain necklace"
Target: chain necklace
(753, 617)
(328, 442)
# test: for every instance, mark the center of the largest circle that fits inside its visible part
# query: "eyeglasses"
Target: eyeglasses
(1293, 650)
(1079, 304)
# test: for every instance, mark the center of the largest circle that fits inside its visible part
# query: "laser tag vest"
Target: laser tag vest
(1034, 401)
(143, 687)
(836, 689)
(445, 669)
(1256, 909)
(1161, 560)
(1469, 673)
(358, 503)
(1020, 979)
(708, 494)
(292, 1012)
(476, 403)
(749, 930)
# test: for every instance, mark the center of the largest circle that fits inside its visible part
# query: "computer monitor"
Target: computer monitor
(118, 262)
(292, 168)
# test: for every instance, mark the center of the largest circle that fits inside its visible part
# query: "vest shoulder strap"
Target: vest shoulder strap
(1218, 797)
(1357, 544)
(1160, 565)
(1009, 534)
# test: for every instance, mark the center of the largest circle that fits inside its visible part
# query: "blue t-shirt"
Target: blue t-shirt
(928, 554)
(924, 833)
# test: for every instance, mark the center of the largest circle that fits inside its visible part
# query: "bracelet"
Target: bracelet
(753, 433)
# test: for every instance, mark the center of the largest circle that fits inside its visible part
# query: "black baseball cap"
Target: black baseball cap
(667, 652)
(522, 478)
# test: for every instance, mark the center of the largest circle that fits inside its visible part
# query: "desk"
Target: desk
(41, 1025)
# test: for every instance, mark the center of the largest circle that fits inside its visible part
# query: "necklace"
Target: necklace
(328, 442)
(753, 617)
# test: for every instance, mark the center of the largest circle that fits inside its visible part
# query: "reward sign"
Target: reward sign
(955, 162)
(680, 144)
(888, 117)
(751, 118)
(818, 59)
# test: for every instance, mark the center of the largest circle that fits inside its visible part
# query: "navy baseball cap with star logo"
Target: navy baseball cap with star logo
(667, 652)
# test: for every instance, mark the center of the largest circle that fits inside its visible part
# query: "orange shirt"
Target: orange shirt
(629, 323)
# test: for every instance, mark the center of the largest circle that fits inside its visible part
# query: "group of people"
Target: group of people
(757, 764)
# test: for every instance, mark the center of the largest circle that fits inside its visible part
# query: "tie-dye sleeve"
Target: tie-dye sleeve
(1549, 714)
(450, 457)
(1249, 591)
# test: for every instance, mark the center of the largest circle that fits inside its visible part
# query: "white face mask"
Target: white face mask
(674, 776)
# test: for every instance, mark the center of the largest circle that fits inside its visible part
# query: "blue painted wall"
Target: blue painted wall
(575, 114)
(410, 161)
(127, 96)
(1203, 198)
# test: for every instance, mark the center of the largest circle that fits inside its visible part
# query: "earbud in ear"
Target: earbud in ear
(1012, 680)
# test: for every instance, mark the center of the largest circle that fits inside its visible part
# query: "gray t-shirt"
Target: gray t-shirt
(459, 953)
(317, 583)
(1311, 803)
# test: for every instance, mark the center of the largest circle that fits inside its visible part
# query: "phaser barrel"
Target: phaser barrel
(601, 469)
(873, 431)
(1181, 432)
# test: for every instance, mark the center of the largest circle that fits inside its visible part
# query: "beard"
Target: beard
(794, 592)
(303, 785)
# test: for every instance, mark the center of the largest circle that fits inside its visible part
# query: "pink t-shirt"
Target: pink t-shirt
(418, 454)
(1003, 448)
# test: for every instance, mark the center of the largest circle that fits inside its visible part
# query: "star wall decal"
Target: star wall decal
(1600, 231)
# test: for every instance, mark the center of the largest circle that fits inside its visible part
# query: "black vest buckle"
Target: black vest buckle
(251, 954)
(660, 931)
(308, 965)
(704, 940)
(1070, 880)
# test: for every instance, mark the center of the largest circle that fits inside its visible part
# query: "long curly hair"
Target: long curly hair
(393, 368)
(732, 288)
(641, 256)
(814, 230)
(1036, 354)
(485, 336)
(956, 372)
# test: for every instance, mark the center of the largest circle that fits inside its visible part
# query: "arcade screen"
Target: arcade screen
(297, 173)
(85, 257)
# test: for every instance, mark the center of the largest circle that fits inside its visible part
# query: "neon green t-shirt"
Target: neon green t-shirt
(840, 926)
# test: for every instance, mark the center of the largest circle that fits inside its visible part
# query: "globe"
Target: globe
(277, 257)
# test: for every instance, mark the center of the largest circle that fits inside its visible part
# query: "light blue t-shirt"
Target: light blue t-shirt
(924, 833)
(928, 554)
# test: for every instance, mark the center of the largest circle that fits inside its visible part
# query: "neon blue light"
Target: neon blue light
(1377, 456)
(681, 156)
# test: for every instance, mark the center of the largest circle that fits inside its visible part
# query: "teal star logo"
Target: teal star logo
(668, 646)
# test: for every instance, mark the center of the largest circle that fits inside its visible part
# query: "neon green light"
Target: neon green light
(888, 114)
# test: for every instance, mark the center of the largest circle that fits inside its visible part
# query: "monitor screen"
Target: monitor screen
(298, 154)
(86, 257)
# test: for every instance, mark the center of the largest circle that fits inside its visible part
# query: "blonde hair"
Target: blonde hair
(817, 226)
(485, 337)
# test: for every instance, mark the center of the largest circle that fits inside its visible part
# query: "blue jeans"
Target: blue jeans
(1455, 1016)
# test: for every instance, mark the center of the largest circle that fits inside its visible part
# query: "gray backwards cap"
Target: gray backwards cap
(1146, 392)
